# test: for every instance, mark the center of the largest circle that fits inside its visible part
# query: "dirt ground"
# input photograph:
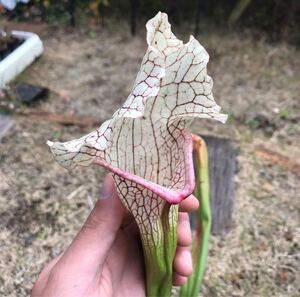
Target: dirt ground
(42, 206)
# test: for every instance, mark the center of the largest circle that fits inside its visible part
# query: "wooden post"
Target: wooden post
(222, 169)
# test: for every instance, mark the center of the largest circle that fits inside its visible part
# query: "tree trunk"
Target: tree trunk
(134, 4)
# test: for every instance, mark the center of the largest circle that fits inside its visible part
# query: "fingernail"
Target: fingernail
(107, 188)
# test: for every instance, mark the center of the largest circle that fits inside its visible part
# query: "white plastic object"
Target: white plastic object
(11, 4)
(21, 57)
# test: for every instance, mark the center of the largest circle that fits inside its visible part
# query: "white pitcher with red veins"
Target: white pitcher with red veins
(148, 146)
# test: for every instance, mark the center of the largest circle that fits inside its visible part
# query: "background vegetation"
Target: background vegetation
(89, 70)
(279, 19)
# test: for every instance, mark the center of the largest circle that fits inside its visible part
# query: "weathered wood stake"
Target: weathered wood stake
(222, 169)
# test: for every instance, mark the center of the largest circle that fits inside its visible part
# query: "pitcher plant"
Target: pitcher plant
(148, 147)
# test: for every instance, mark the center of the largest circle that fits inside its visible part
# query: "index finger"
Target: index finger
(189, 204)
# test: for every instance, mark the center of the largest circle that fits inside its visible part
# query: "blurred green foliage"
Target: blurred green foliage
(280, 19)
(284, 113)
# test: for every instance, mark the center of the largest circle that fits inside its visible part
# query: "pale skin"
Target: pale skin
(105, 258)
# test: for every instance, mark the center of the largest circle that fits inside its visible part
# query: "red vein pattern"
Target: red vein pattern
(146, 144)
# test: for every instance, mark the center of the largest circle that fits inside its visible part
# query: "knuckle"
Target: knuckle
(91, 224)
(94, 223)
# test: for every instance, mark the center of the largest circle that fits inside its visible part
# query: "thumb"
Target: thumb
(89, 249)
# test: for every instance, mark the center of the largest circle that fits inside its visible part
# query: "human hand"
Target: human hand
(105, 258)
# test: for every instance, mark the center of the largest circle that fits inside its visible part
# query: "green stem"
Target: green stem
(200, 243)
(160, 246)
(160, 253)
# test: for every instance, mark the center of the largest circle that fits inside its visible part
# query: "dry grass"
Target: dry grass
(42, 206)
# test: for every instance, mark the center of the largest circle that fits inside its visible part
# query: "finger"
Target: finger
(179, 280)
(43, 277)
(184, 233)
(189, 204)
(182, 264)
(90, 247)
(48, 268)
